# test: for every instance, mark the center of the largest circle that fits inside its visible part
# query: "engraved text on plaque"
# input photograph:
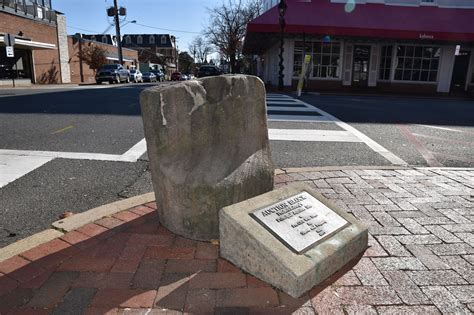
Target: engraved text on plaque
(300, 221)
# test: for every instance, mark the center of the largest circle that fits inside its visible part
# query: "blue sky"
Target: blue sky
(89, 16)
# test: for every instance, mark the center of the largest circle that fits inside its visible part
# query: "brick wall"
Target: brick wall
(88, 73)
(46, 62)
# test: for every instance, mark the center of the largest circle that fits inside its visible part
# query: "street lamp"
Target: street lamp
(133, 22)
(281, 11)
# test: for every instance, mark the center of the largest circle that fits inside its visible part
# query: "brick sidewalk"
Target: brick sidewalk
(420, 258)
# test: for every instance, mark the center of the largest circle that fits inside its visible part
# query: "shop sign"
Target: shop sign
(426, 36)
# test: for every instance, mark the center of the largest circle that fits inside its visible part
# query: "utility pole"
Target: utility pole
(81, 71)
(117, 32)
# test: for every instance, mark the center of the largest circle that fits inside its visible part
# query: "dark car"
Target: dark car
(176, 76)
(149, 77)
(160, 76)
(206, 71)
(113, 74)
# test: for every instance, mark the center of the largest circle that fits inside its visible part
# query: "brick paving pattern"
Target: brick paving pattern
(420, 258)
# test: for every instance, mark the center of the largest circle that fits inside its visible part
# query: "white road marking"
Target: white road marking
(280, 102)
(312, 135)
(276, 95)
(65, 155)
(299, 118)
(13, 167)
(136, 151)
(17, 163)
(291, 108)
(441, 128)
(356, 133)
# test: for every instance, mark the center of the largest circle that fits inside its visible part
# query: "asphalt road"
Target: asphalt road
(97, 121)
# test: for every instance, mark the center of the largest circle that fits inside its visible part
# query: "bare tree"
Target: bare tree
(94, 56)
(228, 23)
(200, 49)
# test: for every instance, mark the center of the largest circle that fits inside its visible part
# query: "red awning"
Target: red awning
(321, 17)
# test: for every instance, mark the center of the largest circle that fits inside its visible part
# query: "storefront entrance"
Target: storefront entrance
(461, 66)
(19, 67)
(360, 70)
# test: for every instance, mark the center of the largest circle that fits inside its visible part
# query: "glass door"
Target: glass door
(360, 70)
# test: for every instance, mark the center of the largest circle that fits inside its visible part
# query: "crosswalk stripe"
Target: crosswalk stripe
(13, 167)
(311, 135)
(291, 113)
(298, 118)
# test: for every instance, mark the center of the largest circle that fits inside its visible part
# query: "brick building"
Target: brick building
(81, 72)
(155, 51)
(408, 46)
(41, 51)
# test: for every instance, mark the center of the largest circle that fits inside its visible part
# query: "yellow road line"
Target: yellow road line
(62, 130)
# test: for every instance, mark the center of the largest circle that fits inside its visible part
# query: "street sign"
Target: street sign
(9, 40)
(10, 51)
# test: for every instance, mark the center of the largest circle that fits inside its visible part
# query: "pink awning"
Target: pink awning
(322, 17)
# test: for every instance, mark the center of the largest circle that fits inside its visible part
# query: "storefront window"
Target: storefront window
(18, 67)
(325, 56)
(417, 63)
(385, 62)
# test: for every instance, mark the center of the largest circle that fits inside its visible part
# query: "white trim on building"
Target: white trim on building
(420, 66)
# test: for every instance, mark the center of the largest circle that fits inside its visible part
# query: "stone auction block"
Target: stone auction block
(292, 238)
(208, 148)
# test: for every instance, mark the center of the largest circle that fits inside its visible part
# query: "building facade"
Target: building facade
(81, 72)
(419, 46)
(41, 51)
(155, 51)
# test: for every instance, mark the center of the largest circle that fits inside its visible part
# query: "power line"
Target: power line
(83, 29)
(153, 27)
(167, 29)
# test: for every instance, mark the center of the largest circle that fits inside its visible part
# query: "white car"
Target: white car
(136, 76)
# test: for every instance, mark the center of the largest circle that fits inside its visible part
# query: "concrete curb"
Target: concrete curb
(89, 216)
(280, 171)
(59, 228)
(28, 243)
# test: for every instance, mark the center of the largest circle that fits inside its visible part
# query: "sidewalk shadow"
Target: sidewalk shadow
(129, 264)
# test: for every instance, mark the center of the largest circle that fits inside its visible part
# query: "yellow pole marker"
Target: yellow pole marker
(307, 60)
(62, 130)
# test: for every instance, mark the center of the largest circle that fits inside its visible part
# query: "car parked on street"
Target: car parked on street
(113, 73)
(160, 76)
(206, 71)
(136, 76)
(149, 77)
(176, 76)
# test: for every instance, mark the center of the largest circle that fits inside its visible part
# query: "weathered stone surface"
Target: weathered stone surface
(250, 246)
(208, 148)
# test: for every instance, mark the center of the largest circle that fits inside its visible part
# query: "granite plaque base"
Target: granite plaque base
(292, 237)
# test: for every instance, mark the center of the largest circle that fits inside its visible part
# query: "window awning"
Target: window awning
(116, 59)
(378, 21)
(28, 44)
